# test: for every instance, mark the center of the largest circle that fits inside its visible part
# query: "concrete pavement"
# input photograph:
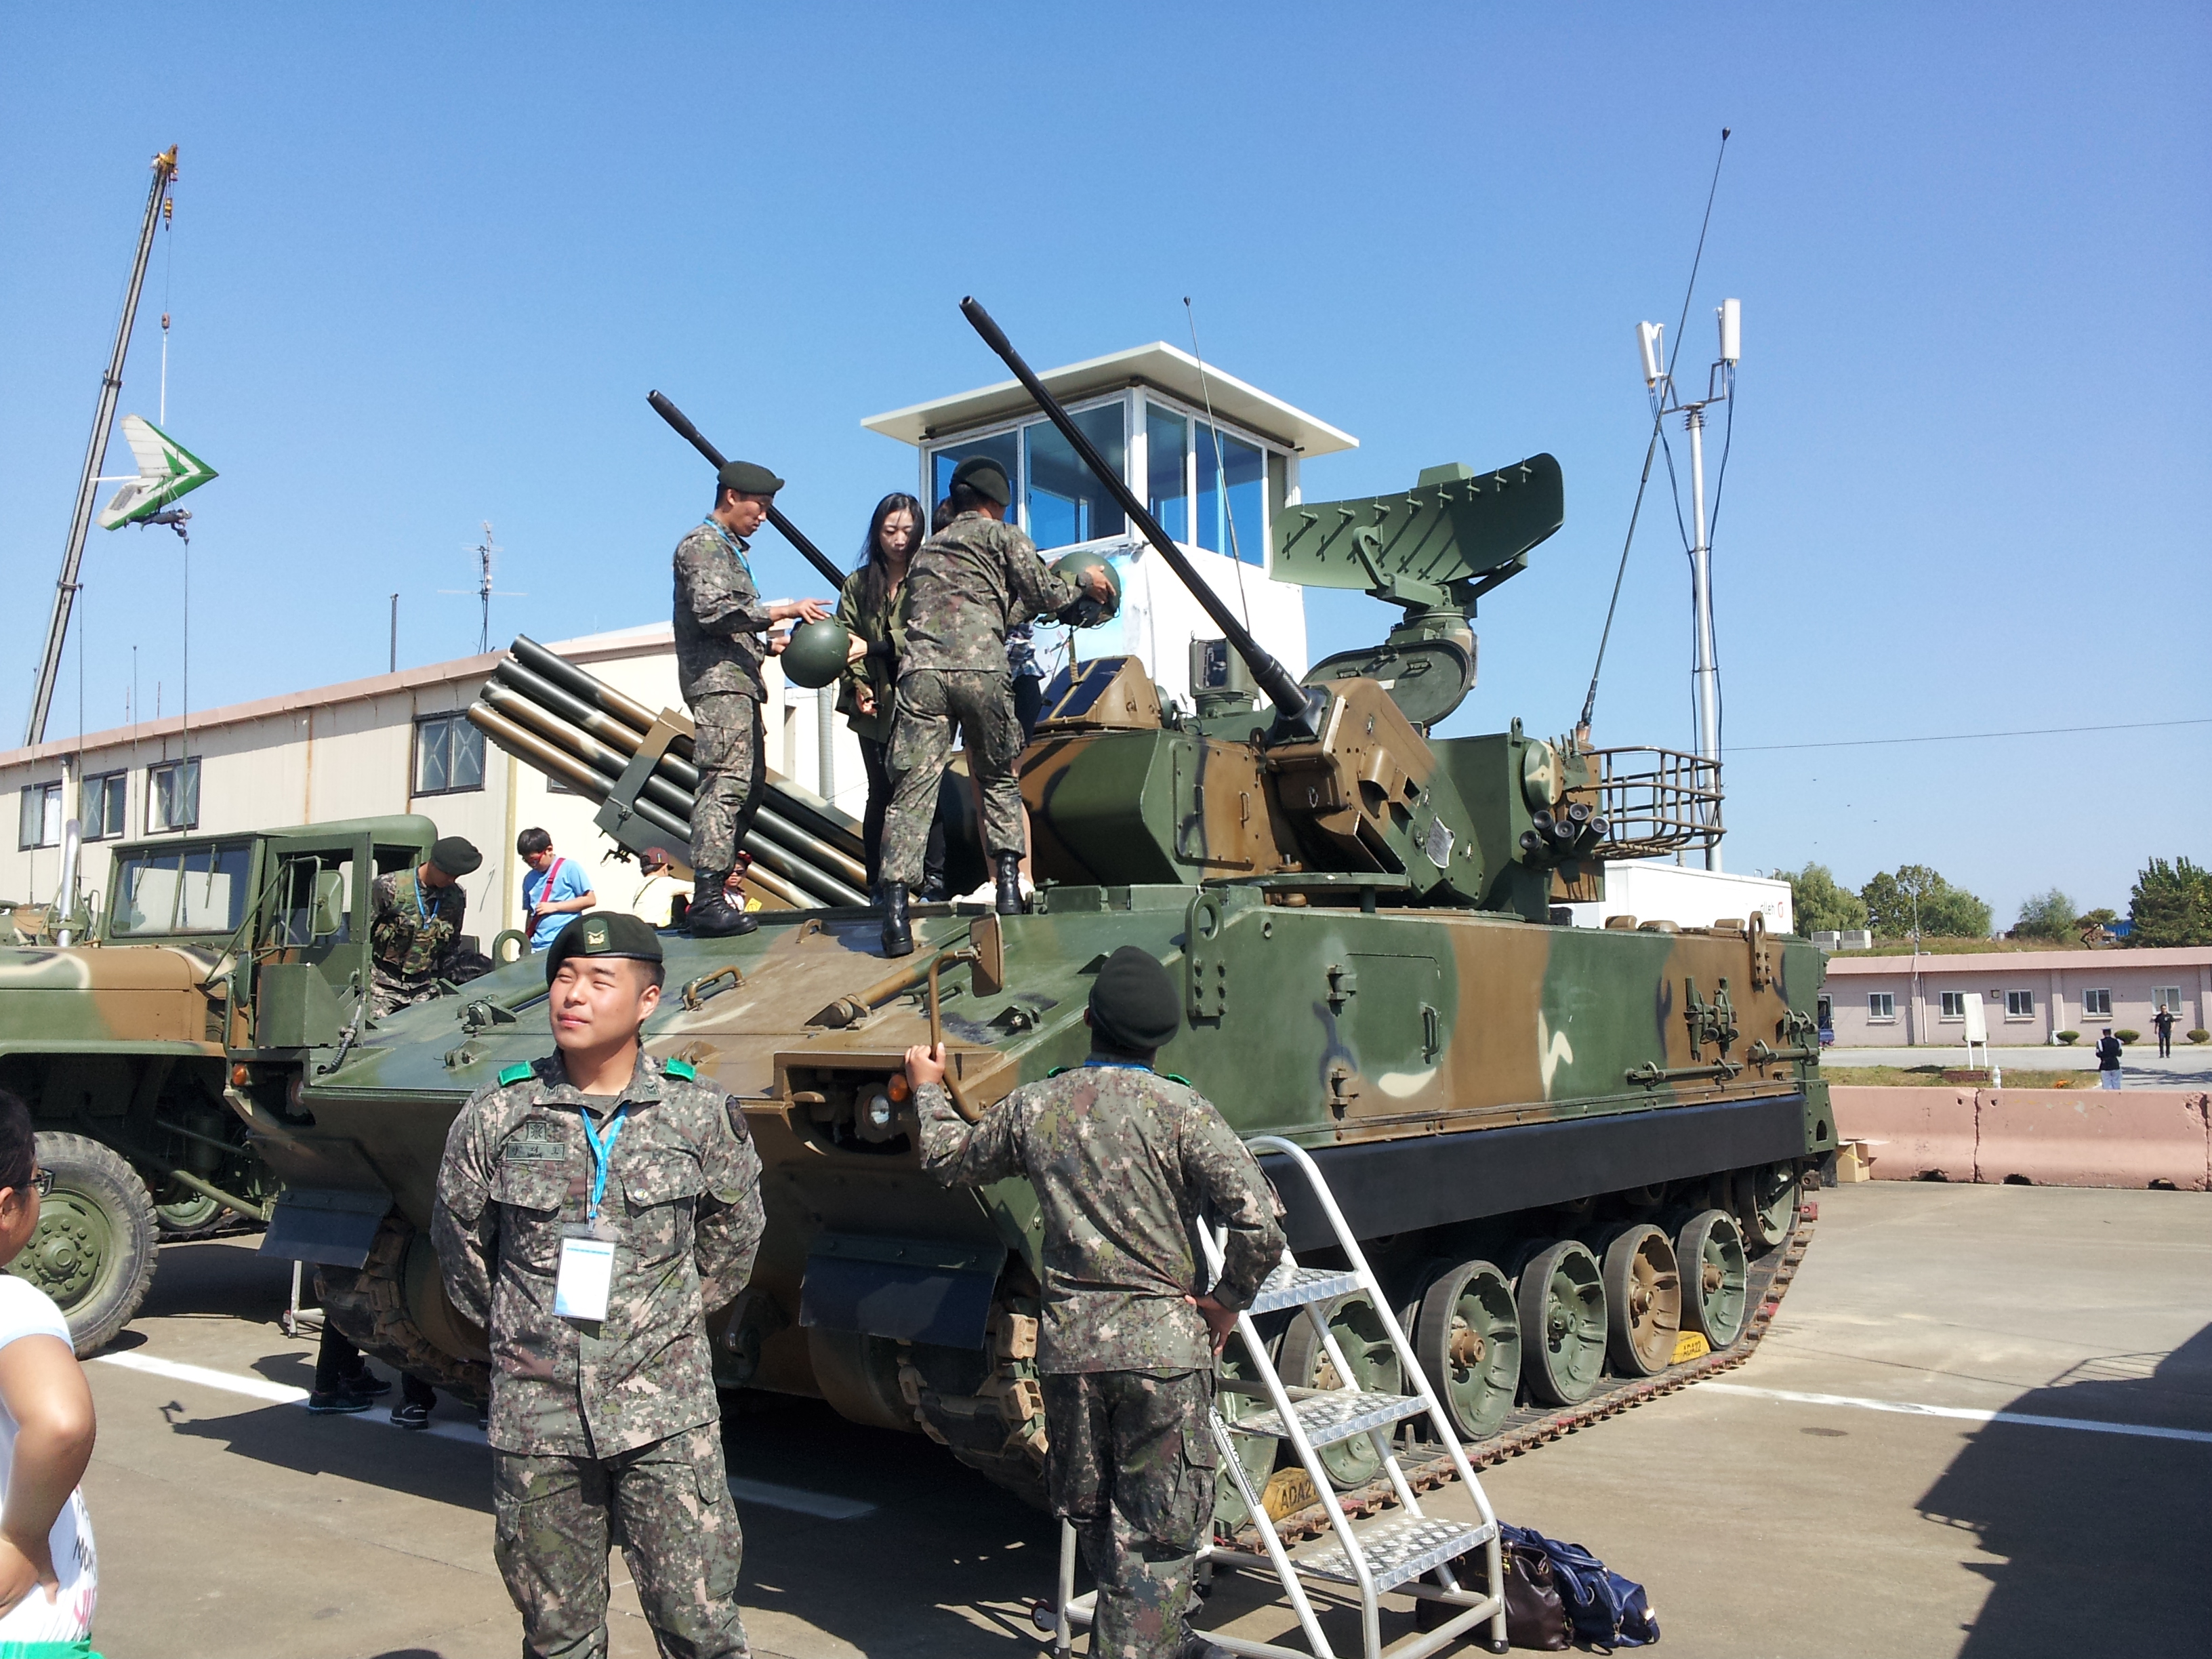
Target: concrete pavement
(1762, 1519)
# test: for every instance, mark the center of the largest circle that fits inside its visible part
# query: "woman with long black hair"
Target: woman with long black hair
(869, 607)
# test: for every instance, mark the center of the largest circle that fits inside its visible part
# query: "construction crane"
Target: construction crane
(111, 387)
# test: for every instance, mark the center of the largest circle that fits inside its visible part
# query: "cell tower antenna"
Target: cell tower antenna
(485, 550)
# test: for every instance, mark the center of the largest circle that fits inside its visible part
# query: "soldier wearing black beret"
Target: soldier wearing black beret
(1125, 1160)
(722, 636)
(415, 925)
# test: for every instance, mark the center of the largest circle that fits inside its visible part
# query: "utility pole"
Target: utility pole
(394, 667)
(103, 422)
(1720, 381)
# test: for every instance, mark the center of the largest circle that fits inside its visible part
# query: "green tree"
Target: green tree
(1819, 904)
(1944, 911)
(2171, 904)
(2045, 915)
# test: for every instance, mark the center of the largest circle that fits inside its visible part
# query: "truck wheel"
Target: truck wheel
(93, 1249)
(183, 1214)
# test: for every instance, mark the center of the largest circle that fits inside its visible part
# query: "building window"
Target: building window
(449, 756)
(1954, 1004)
(1167, 470)
(1231, 493)
(2020, 1005)
(1882, 1005)
(101, 811)
(2097, 1005)
(42, 816)
(172, 795)
(1063, 502)
(2167, 997)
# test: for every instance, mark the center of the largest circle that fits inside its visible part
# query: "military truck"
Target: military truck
(1563, 1147)
(213, 958)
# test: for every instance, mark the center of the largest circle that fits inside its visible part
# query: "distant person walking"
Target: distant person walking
(49, 1571)
(2162, 1021)
(553, 891)
(2108, 1060)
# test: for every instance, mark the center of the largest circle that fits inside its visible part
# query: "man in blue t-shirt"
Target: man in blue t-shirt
(553, 891)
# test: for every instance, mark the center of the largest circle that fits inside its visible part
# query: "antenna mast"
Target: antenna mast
(103, 422)
(484, 592)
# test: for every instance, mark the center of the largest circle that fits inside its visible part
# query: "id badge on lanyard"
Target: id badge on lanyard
(586, 1279)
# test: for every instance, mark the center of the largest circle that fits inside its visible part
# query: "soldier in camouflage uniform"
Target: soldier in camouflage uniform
(968, 584)
(415, 925)
(604, 1428)
(721, 638)
(1124, 1161)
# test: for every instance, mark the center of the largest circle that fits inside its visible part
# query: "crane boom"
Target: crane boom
(111, 387)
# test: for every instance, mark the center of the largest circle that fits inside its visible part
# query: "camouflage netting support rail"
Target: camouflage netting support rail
(1529, 1428)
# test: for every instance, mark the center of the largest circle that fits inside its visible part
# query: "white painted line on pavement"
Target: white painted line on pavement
(823, 1506)
(1909, 1408)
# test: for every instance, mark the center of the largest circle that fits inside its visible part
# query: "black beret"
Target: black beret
(455, 856)
(1133, 1005)
(604, 934)
(747, 479)
(985, 477)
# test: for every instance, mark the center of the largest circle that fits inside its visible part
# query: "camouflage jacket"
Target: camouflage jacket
(1123, 1160)
(719, 616)
(968, 584)
(683, 1202)
(414, 930)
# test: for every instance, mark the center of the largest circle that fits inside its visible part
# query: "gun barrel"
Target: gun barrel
(790, 531)
(1295, 703)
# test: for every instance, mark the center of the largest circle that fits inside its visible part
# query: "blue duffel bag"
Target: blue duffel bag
(1603, 1608)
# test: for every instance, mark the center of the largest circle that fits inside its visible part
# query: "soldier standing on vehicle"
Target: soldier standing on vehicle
(415, 925)
(1124, 1161)
(721, 638)
(591, 1209)
(967, 585)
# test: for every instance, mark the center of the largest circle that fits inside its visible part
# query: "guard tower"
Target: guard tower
(1215, 485)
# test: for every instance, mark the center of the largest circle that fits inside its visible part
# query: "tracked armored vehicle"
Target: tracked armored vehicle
(1566, 1148)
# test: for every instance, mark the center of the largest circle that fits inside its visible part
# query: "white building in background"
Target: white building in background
(1215, 486)
(394, 742)
(1659, 890)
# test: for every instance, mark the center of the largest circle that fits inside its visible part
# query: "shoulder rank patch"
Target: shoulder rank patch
(1173, 1077)
(520, 1072)
(683, 1069)
(1057, 1070)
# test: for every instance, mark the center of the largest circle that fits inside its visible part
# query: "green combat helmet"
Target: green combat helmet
(816, 655)
(1086, 611)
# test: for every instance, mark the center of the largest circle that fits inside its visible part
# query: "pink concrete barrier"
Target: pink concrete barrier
(1910, 1132)
(2092, 1138)
(2052, 1137)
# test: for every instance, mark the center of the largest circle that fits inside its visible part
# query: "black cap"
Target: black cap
(456, 856)
(747, 479)
(604, 934)
(1133, 1005)
(985, 477)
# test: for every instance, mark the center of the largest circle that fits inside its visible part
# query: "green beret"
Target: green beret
(985, 477)
(604, 934)
(747, 479)
(456, 856)
(1133, 1005)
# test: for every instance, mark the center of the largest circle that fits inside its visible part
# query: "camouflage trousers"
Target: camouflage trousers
(931, 702)
(733, 764)
(391, 991)
(1133, 1465)
(666, 1503)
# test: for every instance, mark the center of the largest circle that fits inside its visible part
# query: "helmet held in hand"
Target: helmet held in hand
(1089, 610)
(816, 654)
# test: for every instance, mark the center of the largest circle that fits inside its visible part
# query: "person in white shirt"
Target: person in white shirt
(657, 894)
(49, 1576)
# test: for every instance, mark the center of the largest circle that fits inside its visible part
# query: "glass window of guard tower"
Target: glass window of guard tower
(1167, 470)
(1062, 502)
(1232, 476)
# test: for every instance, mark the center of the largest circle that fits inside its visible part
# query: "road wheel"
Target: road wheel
(1467, 1339)
(1357, 1325)
(393, 1307)
(1764, 1200)
(1562, 1304)
(1643, 1301)
(93, 1249)
(1710, 1250)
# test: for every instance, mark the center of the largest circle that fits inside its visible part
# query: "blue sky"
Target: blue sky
(427, 262)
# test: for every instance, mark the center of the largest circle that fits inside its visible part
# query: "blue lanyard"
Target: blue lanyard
(420, 912)
(1113, 1066)
(603, 1152)
(737, 548)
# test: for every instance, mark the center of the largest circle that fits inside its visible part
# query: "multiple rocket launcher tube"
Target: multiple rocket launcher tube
(546, 711)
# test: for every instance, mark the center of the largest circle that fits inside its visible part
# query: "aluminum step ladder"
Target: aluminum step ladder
(1400, 1551)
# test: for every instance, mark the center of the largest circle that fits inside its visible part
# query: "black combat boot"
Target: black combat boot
(1010, 885)
(712, 915)
(898, 937)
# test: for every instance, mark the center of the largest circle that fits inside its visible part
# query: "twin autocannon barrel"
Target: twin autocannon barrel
(544, 709)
